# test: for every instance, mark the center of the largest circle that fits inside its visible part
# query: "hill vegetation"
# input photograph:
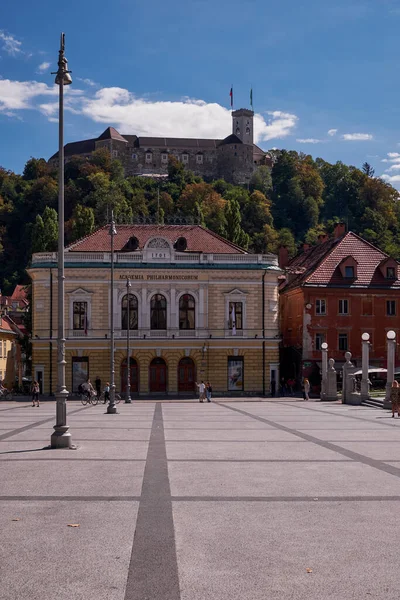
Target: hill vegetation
(300, 199)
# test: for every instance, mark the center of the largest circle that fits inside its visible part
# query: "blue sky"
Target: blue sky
(166, 67)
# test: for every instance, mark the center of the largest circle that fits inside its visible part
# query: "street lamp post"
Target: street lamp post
(128, 350)
(112, 408)
(61, 438)
(324, 350)
(365, 367)
(391, 354)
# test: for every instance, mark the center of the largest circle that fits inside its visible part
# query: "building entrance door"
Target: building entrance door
(186, 375)
(158, 375)
(134, 375)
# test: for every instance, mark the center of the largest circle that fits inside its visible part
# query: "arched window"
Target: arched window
(186, 312)
(133, 312)
(158, 308)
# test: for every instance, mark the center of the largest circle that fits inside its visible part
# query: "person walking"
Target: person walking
(306, 389)
(107, 392)
(283, 387)
(202, 391)
(97, 384)
(395, 398)
(208, 391)
(35, 393)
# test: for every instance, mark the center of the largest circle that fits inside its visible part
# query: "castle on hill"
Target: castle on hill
(234, 158)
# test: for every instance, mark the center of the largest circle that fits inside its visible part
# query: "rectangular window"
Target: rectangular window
(391, 308)
(134, 156)
(5, 349)
(343, 307)
(390, 273)
(235, 373)
(236, 315)
(149, 157)
(115, 153)
(199, 159)
(320, 307)
(164, 158)
(349, 272)
(343, 345)
(319, 339)
(366, 307)
(1, 350)
(185, 158)
(80, 315)
(80, 371)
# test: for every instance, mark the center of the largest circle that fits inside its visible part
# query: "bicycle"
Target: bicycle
(89, 398)
(103, 400)
(5, 394)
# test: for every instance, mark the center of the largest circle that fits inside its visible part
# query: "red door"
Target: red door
(186, 375)
(134, 374)
(158, 375)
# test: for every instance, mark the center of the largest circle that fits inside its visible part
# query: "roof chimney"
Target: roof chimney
(306, 247)
(322, 238)
(340, 229)
(283, 257)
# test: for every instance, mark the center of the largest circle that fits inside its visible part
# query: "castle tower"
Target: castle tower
(242, 125)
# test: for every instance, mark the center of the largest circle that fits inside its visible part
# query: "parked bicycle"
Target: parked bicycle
(5, 394)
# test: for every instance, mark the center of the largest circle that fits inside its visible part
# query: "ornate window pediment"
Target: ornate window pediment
(158, 243)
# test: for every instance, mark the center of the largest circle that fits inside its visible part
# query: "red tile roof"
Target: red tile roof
(319, 265)
(5, 325)
(19, 293)
(198, 239)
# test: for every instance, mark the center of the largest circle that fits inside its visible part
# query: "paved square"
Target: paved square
(231, 500)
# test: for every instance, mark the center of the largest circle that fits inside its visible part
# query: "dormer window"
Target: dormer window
(388, 268)
(390, 273)
(349, 272)
(348, 268)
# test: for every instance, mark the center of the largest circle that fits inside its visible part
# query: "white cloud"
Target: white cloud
(309, 141)
(360, 137)
(332, 132)
(394, 167)
(87, 81)
(17, 95)
(130, 114)
(10, 44)
(43, 67)
(391, 179)
(183, 118)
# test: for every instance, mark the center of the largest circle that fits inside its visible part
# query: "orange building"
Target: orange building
(333, 292)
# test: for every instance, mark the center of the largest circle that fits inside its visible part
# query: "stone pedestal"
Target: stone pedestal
(349, 395)
(331, 382)
(365, 367)
(61, 438)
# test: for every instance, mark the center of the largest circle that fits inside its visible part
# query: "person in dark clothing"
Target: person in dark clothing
(97, 384)
(283, 387)
(273, 387)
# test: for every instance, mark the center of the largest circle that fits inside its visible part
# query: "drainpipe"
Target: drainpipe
(263, 330)
(51, 335)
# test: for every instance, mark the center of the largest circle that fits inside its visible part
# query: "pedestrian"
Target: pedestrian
(35, 393)
(202, 391)
(283, 387)
(291, 383)
(306, 389)
(395, 398)
(97, 384)
(107, 392)
(273, 388)
(208, 391)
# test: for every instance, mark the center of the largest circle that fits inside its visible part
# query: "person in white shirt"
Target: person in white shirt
(202, 391)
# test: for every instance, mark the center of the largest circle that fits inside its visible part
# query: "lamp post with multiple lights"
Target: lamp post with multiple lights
(61, 438)
(365, 366)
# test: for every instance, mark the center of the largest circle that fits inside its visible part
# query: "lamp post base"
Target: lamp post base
(61, 438)
(128, 400)
(112, 409)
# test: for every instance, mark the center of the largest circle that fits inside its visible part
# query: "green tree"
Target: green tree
(82, 222)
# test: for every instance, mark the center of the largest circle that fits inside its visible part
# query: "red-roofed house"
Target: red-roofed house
(333, 292)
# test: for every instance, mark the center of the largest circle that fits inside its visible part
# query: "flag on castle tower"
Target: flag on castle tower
(251, 98)
(231, 95)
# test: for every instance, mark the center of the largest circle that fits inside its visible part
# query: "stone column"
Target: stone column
(365, 367)
(331, 382)
(391, 353)
(324, 350)
(348, 368)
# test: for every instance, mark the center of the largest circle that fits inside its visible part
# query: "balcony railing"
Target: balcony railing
(138, 257)
(159, 334)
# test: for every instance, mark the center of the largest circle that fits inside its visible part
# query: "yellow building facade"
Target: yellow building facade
(7, 353)
(200, 308)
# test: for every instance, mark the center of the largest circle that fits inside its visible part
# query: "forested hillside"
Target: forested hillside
(300, 199)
